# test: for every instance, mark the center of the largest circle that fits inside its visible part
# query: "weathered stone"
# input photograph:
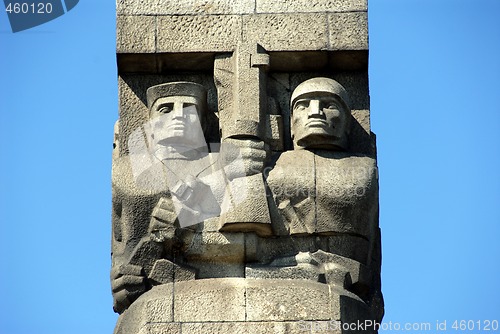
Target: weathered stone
(356, 84)
(348, 31)
(212, 269)
(363, 119)
(251, 244)
(209, 300)
(317, 266)
(277, 327)
(251, 214)
(216, 247)
(245, 184)
(152, 307)
(352, 247)
(347, 202)
(185, 7)
(278, 300)
(161, 328)
(304, 6)
(295, 198)
(291, 32)
(135, 34)
(277, 86)
(220, 305)
(275, 132)
(215, 33)
(269, 249)
(165, 271)
(299, 272)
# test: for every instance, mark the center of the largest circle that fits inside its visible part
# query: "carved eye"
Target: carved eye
(301, 105)
(330, 106)
(165, 110)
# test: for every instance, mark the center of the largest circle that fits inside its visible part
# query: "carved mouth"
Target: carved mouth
(316, 123)
(177, 126)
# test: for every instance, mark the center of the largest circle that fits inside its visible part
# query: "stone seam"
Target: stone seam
(243, 27)
(246, 317)
(250, 14)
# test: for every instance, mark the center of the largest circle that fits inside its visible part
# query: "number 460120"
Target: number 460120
(471, 325)
(29, 8)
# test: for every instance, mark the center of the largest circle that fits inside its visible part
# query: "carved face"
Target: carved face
(175, 120)
(319, 121)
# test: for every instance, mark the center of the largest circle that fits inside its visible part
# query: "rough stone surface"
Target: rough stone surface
(363, 119)
(265, 249)
(216, 247)
(218, 33)
(243, 305)
(297, 300)
(340, 202)
(135, 34)
(275, 133)
(161, 328)
(154, 306)
(277, 327)
(295, 198)
(304, 6)
(209, 300)
(300, 272)
(251, 215)
(351, 203)
(211, 269)
(279, 32)
(190, 7)
(348, 31)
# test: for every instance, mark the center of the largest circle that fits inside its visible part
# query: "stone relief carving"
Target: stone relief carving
(320, 189)
(187, 210)
(245, 186)
(171, 181)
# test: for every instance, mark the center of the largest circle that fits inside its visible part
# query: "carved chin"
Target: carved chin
(171, 139)
(321, 140)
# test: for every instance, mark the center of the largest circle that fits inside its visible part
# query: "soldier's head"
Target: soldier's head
(177, 111)
(320, 115)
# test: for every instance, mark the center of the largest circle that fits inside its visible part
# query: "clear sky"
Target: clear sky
(435, 103)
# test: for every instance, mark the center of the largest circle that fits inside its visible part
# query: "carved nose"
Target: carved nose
(178, 111)
(314, 110)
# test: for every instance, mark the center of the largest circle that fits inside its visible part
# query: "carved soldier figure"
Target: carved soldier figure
(335, 193)
(321, 189)
(165, 184)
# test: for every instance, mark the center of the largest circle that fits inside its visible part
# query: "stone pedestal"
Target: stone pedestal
(239, 305)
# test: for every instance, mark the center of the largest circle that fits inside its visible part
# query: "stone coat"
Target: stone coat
(324, 192)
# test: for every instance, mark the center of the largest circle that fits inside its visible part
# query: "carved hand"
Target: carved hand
(162, 221)
(127, 284)
(243, 157)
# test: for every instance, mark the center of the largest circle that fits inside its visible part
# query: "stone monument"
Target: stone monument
(244, 178)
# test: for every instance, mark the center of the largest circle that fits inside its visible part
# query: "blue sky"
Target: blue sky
(435, 103)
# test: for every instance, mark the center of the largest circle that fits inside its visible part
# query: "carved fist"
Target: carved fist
(127, 283)
(243, 157)
(162, 221)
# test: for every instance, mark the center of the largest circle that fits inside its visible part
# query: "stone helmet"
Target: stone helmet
(321, 85)
(180, 88)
